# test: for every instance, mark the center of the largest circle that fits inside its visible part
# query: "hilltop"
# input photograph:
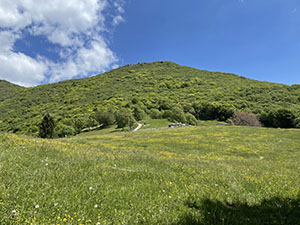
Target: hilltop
(155, 88)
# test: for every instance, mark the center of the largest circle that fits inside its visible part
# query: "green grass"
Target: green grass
(106, 130)
(199, 175)
(155, 123)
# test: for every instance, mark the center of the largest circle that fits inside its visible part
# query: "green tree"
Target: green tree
(213, 111)
(46, 127)
(124, 118)
(284, 118)
(138, 113)
(105, 118)
(155, 114)
(190, 119)
(80, 123)
(178, 115)
(63, 130)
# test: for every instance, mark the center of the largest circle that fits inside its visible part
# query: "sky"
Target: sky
(50, 41)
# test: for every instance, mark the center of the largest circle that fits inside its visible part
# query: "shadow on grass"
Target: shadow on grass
(274, 211)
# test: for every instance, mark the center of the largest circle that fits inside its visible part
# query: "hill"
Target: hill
(208, 175)
(156, 89)
(8, 90)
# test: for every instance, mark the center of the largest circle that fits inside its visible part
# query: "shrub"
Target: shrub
(165, 104)
(284, 118)
(297, 122)
(138, 113)
(105, 118)
(123, 118)
(166, 114)
(92, 122)
(63, 130)
(178, 115)
(245, 119)
(190, 119)
(155, 114)
(213, 111)
(80, 123)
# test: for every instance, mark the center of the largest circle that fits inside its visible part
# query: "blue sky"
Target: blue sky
(259, 39)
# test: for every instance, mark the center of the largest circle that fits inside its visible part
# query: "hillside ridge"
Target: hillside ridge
(8, 90)
(151, 87)
(145, 64)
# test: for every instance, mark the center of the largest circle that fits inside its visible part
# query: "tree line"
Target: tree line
(186, 113)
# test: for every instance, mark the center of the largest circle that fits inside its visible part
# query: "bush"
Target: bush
(155, 114)
(123, 118)
(190, 119)
(284, 118)
(245, 119)
(92, 122)
(213, 111)
(297, 122)
(178, 115)
(80, 123)
(166, 114)
(63, 130)
(138, 113)
(105, 118)
(165, 104)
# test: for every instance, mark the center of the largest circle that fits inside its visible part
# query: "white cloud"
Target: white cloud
(118, 19)
(92, 59)
(22, 69)
(119, 7)
(7, 40)
(12, 16)
(75, 26)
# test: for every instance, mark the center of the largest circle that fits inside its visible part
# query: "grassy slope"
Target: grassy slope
(8, 90)
(201, 175)
(151, 83)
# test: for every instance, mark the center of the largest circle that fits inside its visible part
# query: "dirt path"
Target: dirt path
(138, 127)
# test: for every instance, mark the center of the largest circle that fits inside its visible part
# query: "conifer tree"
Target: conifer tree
(47, 127)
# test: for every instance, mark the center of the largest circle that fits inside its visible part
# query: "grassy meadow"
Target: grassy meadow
(196, 175)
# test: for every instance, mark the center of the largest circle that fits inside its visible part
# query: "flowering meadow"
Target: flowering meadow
(193, 175)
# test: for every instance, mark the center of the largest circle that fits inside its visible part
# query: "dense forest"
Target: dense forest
(159, 90)
(8, 90)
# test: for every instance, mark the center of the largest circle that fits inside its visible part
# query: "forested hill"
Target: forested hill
(154, 88)
(8, 90)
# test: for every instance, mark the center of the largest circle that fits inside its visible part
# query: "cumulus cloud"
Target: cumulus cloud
(89, 60)
(21, 69)
(77, 27)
